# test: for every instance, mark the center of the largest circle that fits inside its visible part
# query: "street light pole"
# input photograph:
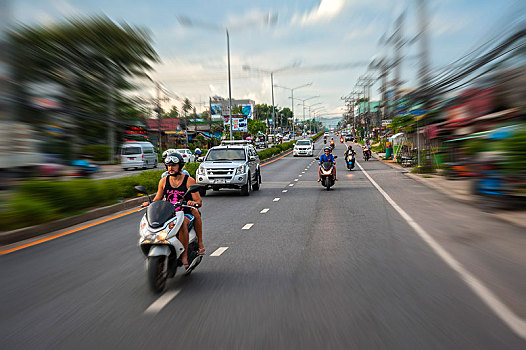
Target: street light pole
(273, 111)
(292, 97)
(229, 82)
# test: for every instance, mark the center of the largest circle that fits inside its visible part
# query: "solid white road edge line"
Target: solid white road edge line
(264, 210)
(247, 226)
(219, 251)
(515, 323)
(161, 302)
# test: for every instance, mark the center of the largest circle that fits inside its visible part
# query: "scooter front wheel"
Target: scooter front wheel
(157, 273)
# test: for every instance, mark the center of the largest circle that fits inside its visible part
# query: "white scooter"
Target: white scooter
(159, 241)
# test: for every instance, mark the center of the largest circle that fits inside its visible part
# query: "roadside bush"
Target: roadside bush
(191, 168)
(99, 153)
(318, 135)
(23, 211)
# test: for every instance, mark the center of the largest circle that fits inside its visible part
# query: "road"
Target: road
(339, 269)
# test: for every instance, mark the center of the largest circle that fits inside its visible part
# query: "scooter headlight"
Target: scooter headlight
(143, 228)
(161, 236)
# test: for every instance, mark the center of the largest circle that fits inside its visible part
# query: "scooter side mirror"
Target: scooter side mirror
(317, 158)
(335, 157)
(192, 189)
(142, 190)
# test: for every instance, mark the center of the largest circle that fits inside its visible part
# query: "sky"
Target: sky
(328, 43)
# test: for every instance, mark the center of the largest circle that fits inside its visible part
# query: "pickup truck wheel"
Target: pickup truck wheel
(256, 185)
(245, 190)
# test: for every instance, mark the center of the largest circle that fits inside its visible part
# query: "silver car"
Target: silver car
(231, 166)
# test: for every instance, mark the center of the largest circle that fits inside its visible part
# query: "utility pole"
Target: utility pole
(159, 110)
(423, 72)
(111, 111)
(398, 44)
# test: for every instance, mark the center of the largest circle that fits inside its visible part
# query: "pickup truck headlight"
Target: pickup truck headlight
(201, 170)
(240, 170)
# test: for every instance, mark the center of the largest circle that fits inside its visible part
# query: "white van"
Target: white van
(137, 154)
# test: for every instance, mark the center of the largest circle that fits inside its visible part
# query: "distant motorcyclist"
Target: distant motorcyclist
(332, 143)
(349, 151)
(197, 152)
(367, 149)
(327, 157)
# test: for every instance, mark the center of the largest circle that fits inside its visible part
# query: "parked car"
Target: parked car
(303, 148)
(188, 156)
(230, 166)
(137, 154)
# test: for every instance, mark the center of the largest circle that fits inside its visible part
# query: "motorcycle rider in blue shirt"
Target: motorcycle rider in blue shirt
(327, 157)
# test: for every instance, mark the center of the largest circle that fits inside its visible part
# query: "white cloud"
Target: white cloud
(65, 8)
(326, 10)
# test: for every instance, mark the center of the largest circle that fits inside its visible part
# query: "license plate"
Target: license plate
(220, 181)
(131, 158)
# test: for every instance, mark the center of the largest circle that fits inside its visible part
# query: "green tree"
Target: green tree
(187, 106)
(93, 60)
(255, 126)
(174, 113)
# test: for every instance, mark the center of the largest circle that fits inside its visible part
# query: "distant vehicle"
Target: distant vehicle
(230, 166)
(303, 148)
(286, 137)
(348, 137)
(83, 168)
(135, 154)
(188, 156)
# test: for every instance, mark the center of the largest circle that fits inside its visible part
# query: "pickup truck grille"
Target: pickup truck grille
(217, 173)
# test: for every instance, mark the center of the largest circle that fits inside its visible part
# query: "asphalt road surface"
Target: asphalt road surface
(339, 269)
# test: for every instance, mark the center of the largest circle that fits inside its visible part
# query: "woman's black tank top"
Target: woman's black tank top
(174, 195)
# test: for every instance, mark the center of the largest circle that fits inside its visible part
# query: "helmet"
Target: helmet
(174, 158)
(349, 147)
(326, 149)
(198, 150)
(167, 152)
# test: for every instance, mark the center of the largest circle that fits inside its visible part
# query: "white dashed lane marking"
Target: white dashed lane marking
(276, 199)
(290, 185)
(219, 251)
(247, 226)
(264, 210)
(161, 302)
(284, 191)
(295, 179)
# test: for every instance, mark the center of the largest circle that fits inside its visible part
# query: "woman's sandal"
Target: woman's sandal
(201, 251)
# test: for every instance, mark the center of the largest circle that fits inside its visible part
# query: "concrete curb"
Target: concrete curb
(14, 236)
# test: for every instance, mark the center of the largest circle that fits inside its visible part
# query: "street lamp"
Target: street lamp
(271, 72)
(303, 102)
(292, 97)
(185, 21)
(309, 107)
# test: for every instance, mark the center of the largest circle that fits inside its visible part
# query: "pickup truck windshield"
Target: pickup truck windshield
(225, 154)
(303, 143)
